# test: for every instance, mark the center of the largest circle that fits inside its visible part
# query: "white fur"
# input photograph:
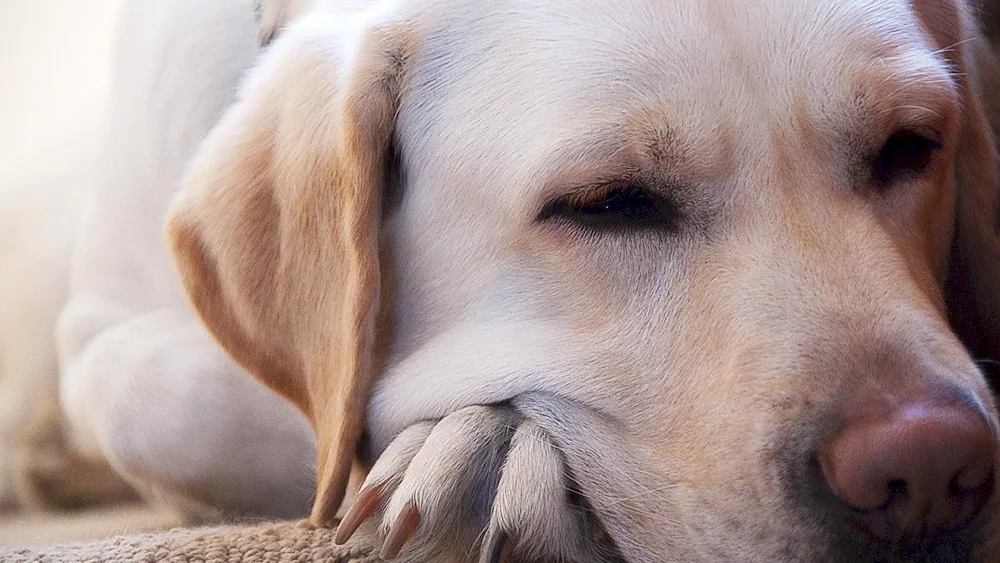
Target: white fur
(654, 366)
(142, 383)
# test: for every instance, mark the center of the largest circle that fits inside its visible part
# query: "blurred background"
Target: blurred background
(54, 65)
(55, 60)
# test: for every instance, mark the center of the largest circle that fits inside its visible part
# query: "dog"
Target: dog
(569, 281)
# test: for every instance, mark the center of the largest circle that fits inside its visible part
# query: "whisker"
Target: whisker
(953, 45)
(922, 108)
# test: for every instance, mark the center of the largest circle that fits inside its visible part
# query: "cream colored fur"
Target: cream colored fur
(143, 384)
(363, 231)
(682, 377)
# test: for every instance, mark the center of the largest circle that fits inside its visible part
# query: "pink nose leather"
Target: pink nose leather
(918, 470)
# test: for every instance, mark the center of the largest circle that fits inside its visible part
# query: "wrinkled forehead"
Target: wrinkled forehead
(509, 81)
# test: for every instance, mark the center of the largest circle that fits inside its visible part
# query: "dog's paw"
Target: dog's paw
(482, 478)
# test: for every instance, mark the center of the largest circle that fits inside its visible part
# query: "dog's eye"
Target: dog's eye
(613, 207)
(903, 156)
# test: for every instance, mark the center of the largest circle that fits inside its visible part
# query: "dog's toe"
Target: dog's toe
(383, 479)
(532, 516)
(451, 481)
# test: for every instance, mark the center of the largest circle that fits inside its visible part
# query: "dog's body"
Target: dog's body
(675, 257)
(131, 349)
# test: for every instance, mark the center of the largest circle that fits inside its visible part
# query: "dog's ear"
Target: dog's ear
(275, 230)
(973, 286)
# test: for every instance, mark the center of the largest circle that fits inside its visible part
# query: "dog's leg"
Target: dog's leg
(482, 478)
(159, 399)
(141, 381)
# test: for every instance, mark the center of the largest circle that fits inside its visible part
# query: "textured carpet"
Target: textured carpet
(281, 542)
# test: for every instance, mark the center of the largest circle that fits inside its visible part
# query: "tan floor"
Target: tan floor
(35, 530)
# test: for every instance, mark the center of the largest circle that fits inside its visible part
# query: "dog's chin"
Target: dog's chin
(975, 544)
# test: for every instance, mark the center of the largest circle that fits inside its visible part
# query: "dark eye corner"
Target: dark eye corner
(612, 207)
(904, 156)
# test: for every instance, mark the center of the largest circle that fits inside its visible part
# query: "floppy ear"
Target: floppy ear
(275, 231)
(973, 288)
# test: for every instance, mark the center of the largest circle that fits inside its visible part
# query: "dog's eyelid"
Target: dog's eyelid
(613, 206)
(926, 131)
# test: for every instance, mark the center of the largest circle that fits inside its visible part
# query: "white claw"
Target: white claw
(383, 479)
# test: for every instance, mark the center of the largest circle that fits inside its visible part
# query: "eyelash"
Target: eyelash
(904, 156)
(613, 208)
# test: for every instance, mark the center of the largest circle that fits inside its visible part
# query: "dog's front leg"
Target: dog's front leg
(157, 398)
(483, 479)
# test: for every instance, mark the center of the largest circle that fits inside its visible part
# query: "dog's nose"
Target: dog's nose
(912, 471)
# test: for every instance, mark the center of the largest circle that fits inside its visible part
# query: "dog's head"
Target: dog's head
(712, 247)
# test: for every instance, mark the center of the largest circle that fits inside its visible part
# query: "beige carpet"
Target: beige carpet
(281, 542)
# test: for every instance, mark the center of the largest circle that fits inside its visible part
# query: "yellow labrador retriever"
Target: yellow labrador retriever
(575, 280)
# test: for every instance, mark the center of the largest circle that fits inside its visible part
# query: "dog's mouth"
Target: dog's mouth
(853, 538)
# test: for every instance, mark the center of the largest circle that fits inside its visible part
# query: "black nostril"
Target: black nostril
(972, 496)
(897, 492)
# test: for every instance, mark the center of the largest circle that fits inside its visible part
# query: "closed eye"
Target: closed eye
(613, 207)
(903, 157)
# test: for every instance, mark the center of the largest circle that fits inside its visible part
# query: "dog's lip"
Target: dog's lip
(401, 398)
(540, 401)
